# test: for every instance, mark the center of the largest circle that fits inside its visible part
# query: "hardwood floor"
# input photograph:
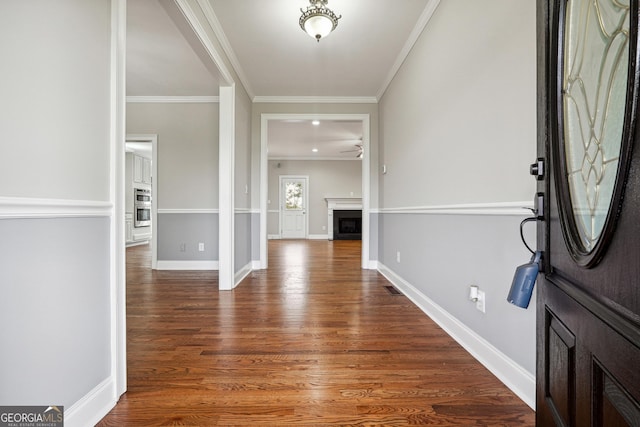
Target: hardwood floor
(313, 340)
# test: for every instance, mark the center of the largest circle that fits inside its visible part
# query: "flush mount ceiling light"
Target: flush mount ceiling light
(318, 20)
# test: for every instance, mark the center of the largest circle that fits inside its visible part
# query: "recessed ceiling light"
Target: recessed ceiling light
(315, 150)
(315, 122)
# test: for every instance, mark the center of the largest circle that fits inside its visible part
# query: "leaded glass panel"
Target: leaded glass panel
(596, 55)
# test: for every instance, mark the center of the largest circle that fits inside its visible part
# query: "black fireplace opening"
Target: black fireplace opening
(347, 225)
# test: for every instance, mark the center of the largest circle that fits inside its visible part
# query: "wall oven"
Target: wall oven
(141, 207)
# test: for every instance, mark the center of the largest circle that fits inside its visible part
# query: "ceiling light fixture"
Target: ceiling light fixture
(315, 122)
(318, 20)
(315, 150)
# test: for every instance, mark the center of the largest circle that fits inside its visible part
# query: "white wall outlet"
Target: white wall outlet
(183, 247)
(201, 247)
(351, 193)
(384, 169)
(398, 257)
(324, 227)
(480, 303)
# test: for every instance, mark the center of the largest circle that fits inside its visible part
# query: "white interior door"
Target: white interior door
(293, 207)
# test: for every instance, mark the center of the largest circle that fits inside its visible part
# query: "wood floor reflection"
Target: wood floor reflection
(313, 340)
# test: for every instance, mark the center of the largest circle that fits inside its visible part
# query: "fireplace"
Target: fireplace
(347, 225)
(339, 205)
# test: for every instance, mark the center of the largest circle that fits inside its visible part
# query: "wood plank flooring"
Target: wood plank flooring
(313, 340)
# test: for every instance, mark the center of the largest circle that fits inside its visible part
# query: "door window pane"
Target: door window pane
(594, 93)
(293, 195)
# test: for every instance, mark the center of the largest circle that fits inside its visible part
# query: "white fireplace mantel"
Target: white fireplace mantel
(340, 204)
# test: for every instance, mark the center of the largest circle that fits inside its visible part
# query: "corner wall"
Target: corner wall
(187, 181)
(58, 272)
(457, 136)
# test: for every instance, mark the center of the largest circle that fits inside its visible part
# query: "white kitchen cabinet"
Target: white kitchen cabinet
(128, 221)
(141, 234)
(141, 170)
(146, 171)
(137, 169)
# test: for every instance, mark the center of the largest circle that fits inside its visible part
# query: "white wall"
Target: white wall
(52, 98)
(187, 181)
(187, 151)
(458, 128)
(327, 178)
(459, 121)
(242, 184)
(242, 180)
(56, 269)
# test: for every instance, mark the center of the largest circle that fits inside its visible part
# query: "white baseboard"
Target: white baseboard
(318, 237)
(372, 265)
(244, 272)
(309, 237)
(93, 406)
(187, 265)
(514, 376)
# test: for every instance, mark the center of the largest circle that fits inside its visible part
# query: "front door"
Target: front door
(293, 207)
(588, 320)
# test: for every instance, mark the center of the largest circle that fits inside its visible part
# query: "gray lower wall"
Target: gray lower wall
(441, 255)
(242, 247)
(255, 236)
(190, 229)
(374, 229)
(54, 309)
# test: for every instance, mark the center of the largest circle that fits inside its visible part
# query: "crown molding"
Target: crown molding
(173, 99)
(211, 16)
(423, 20)
(315, 99)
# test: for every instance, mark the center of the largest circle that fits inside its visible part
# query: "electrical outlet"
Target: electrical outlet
(183, 247)
(201, 247)
(398, 257)
(324, 227)
(480, 303)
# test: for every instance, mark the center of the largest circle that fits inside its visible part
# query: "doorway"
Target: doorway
(150, 140)
(366, 178)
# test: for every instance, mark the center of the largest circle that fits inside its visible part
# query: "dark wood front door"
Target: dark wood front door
(588, 320)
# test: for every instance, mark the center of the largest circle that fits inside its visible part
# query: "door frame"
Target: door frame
(305, 178)
(366, 176)
(153, 140)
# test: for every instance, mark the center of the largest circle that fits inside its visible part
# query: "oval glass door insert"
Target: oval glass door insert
(594, 89)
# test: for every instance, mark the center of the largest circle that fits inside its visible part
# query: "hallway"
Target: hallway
(313, 340)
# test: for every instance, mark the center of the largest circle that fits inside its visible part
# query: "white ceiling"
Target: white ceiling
(275, 58)
(278, 59)
(296, 139)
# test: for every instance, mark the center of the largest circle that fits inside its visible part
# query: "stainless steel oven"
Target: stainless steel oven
(141, 207)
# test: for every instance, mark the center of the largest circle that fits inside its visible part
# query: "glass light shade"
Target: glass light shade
(318, 26)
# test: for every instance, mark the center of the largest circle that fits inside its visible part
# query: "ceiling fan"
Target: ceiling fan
(357, 148)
